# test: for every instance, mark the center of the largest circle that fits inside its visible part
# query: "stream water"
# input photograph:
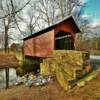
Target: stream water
(12, 78)
(95, 62)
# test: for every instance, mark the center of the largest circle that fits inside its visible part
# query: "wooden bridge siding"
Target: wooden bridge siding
(29, 47)
(67, 27)
(44, 44)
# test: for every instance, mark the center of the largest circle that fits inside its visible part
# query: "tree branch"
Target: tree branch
(16, 11)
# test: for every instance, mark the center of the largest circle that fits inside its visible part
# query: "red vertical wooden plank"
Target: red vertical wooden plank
(44, 44)
(28, 47)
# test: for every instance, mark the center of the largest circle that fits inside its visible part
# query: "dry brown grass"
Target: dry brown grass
(53, 91)
(18, 54)
(8, 61)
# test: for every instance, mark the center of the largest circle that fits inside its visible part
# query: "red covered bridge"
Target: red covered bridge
(59, 36)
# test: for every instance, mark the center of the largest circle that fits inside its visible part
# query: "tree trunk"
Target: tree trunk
(6, 42)
(7, 77)
(6, 38)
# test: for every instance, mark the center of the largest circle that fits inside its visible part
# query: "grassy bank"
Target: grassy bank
(53, 91)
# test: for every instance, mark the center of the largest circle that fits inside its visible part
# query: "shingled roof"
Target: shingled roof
(8, 61)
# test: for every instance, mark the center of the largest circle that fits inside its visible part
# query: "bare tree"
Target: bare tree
(30, 21)
(15, 12)
(9, 9)
(1, 40)
(53, 10)
(6, 23)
